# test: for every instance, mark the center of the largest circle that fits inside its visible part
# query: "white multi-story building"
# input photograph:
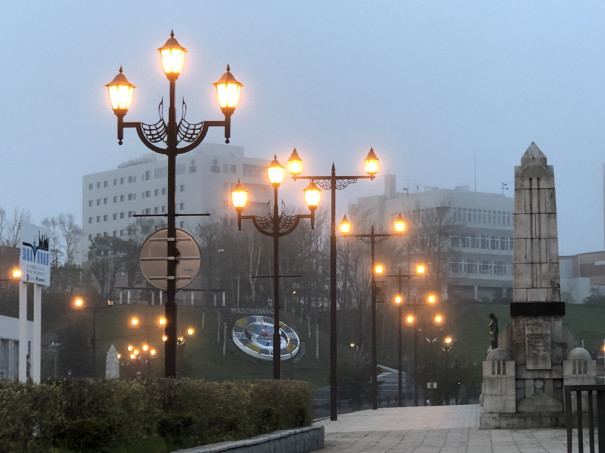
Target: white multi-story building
(477, 229)
(204, 179)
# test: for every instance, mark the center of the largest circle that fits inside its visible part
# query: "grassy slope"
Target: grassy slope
(202, 355)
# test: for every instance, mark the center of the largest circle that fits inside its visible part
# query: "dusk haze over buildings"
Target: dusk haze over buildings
(447, 93)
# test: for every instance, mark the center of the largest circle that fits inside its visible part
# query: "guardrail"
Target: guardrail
(590, 391)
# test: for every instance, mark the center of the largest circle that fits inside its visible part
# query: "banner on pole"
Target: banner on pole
(34, 259)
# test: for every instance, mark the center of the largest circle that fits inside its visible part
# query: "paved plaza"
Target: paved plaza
(436, 429)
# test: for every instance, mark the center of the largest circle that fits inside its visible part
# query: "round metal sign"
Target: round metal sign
(154, 259)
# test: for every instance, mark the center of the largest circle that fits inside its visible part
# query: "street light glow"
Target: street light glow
(371, 165)
(431, 299)
(134, 321)
(239, 196)
(438, 319)
(345, 225)
(410, 319)
(120, 94)
(379, 269)
(173, 57)
(275, 171)
(295, 163)
(16, 273)
(420, 269)
(312, 195)
(227, 90)
(398, 299)
(399, 224)
(78, 302)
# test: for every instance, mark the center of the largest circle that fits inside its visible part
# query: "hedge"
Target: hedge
(85, 415)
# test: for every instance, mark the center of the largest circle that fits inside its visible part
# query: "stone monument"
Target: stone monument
(523, 378)
(112, 363)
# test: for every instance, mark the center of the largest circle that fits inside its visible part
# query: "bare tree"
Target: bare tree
(9, 235)
(71, 235)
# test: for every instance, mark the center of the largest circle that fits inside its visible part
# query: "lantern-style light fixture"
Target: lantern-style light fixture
(420, 269)
(438, 319)
(399, 224)
(16, 273)
(173, 57)
(398, 299)
(227, 90)
(345, 225)
(431, 299)
(379, 268)
(78, 302)
(410, 319)
(134, 321)
(371, 165)
(120, 94)
(239, 196)
(312, 195)
(275, 171)
(295, 164)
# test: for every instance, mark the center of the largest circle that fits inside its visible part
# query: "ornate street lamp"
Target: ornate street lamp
(399, 301)
(373, 238)
(165, 138)
(333, 183)
(411, 319)
(275, 225)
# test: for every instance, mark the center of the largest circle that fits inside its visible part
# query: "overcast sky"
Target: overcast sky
(448, 93)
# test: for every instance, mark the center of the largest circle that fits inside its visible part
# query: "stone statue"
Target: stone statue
(493, 331)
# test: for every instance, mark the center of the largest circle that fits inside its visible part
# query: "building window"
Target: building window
(495, 242)
(121, 180)
(163, 190)
(233, 168)
(156, 192)
(132, 179)
(115, 198)
(121, 215)
(121, 197)
(115, 217)
(132, 196)
(90, 186)
(90, 203)
(104, 183)
(98, 218)
(90, 220)
(130, 213)
(192, 167)
(182, 188)
(104, 200)
(105, 218)
(98, 201)
(99, 185)
(115, 181)
(215, 168)
(181, 206)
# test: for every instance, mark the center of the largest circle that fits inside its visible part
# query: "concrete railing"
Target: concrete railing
(299, 440)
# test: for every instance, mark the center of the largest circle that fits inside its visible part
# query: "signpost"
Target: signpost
(34, 262)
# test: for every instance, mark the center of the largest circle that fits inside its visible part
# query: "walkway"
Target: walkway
(436, 429)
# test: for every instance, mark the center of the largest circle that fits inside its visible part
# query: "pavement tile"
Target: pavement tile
(435, 429)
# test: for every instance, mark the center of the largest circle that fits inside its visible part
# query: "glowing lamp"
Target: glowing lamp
(227, 90)
(120, 94)
(239, 196)
(173, 57)
(275, 171)
(295, 163)
(371, 166)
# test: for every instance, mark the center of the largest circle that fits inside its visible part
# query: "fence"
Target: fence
(590, 391)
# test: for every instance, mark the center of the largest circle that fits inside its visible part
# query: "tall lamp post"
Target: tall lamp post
(333, 183)
(79, 304)
(171, 134)
(411, 319)
(399, 301)
(372, 238)
(275, 225)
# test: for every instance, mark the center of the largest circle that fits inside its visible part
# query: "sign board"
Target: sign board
(431, 385)
(154, 259)
(34, 257)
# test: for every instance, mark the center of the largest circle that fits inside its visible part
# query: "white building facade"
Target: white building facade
(477, 230)
(204, 179)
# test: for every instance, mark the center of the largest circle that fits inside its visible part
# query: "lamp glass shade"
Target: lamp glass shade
(295, 163)
(420, 269)
(275, 171)
(312, 195)
(399, 224)
(173, 56)
(371, 165)
(16, 273)
(431, 299)
(228, 90)
(398, 299)
(120, 92)
(345, 225)
(438, 319)
(379, 269)
(410, 319)
(239, 196)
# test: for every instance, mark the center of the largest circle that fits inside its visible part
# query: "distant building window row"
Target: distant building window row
(124, 232)
(122, 215)
(482, 242)
(482, 216)
(481, 267)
